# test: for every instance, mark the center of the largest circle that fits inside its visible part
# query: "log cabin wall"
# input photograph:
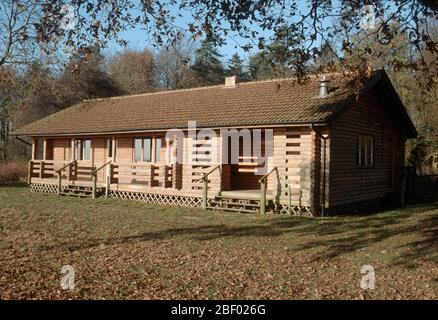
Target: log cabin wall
(349, 182)
(124, 149)
(61, 149)
(153, 172)
(98, 156)
(201, 149)
(49, 149)
(184, 177)
(319, 194)
(293, 156)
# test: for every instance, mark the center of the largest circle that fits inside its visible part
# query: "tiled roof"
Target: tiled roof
(272, 102)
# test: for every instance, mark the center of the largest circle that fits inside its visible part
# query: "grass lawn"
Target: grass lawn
(126, 249)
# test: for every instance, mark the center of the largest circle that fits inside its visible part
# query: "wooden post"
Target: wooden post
(173, 166)
(324, 144)
(107, 187)
(220, 180)
(69, 174)
(41, 169)
(34, 146)
(277, 189)
(165, 175)
(114, 155)
(94, 192)
(153, 147)
(205, 195)
(72, 150)
(290, 200)
(263, 196)
(45, 149)
(108, 179)
(73, 170)
(151, 178)
(59, 182)
(29, 175)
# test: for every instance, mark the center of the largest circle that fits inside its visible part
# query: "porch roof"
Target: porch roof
(260, 103)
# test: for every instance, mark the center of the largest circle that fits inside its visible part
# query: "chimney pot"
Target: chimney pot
(230, 81)
(324, 86)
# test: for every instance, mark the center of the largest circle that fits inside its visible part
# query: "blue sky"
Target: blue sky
(138, 40)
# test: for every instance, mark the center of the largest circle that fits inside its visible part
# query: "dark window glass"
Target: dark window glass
(80, 151)
(109, 143)
(365, 151)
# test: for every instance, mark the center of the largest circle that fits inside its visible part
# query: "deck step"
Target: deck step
(237, 197)
(79, 191)
(234, 204)
(79, 195)
(240, 210)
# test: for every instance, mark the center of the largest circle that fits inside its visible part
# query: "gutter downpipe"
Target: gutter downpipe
(324, 168)
(19, 139)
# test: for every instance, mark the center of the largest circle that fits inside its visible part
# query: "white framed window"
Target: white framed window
(147, 149)
(143, 149)
(365, 151)
(83, 149)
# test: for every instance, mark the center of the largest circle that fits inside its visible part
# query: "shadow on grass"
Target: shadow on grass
(411, 230)
(337, 235)
(360, 236)
(426, 190)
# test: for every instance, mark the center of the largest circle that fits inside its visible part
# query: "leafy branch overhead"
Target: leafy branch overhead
(52, 51)
(303, 25)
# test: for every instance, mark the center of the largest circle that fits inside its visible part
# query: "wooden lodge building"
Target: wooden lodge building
(325, 148)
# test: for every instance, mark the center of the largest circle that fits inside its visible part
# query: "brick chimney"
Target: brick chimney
(230, 81)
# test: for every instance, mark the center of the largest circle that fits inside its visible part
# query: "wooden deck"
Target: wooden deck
(188, 185)
(253, 194)
(54, 181)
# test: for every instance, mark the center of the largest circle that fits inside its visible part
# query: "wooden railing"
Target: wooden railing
(263, 181)
(151, 175)
(204, 180)
(44, 169)
(59, 173)
(94, 178)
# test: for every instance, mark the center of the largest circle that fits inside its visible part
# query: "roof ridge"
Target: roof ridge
(151, 93)
(204, 87)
